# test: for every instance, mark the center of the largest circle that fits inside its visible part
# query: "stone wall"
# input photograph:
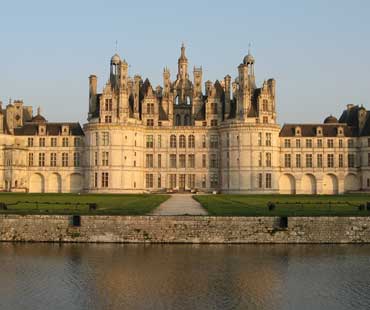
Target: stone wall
(185, 229)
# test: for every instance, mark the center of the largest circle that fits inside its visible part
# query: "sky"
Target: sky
(318, 51)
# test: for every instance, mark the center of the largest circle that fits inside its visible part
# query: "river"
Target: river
(115, 276)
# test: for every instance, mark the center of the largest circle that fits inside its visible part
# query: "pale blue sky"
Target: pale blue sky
(318, 51)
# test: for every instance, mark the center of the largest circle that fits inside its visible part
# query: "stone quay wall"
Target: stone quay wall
(184, 229)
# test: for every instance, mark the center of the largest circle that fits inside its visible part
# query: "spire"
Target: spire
(182, 56)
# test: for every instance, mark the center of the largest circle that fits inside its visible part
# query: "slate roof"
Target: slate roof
(309, 130)
(52, 129)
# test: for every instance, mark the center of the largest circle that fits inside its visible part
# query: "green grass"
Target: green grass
(286, 205)
(107, 204)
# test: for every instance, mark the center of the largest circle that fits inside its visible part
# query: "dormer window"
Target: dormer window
(319, 131)
(340, 131)
(65, 130)
(298, 131)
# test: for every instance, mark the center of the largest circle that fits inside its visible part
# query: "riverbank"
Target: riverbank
(184, 229)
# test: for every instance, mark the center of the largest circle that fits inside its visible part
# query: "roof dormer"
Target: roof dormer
(297, 131)
(319, 131)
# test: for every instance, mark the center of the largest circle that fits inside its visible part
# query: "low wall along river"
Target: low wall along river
(184, 229)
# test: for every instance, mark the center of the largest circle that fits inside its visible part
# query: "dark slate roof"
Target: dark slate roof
(201, 115)
(52, 129)
(366, 130)
(253, 111)
(309, 130)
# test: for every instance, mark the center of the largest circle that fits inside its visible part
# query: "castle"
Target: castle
(179, 137)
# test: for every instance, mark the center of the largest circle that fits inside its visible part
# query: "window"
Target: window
(41, 159)
(182, 181)
(159, 140)
(191, 180)
(330, 160)
(76, 159)
(105, 159)
(178, 120)
(264, 105)
(30, 142)
(260, 159)
(108, 105)
(340, 143)
(204, 124)
(104, 179)
(182, 141)
(214, 108)
(368, 159)
(204, 181)
(260, 181)
(42, 142)
(268, 159)
(150, 122)
(227, 140)
(65, 142)
(214, 142)
(319, 142)
(108, 119)
(319, 160)
(172, 160)
(150, 108)
(30, 159)
(309, 143)
(204, 141)
(182, 161)
(298, 143)
(298, 160)
(95, 179)
(330, 143)
(53, 159)
(149, 142)
(172, 180)
(351, 143)
(77, 142)
(214, 180)
(287, 160)
(53, 141)
(351, 160)
(149, 161)
(213, 161)
(191, 161)
(309, 160)
(159, 161)
(259, 138)
(105, 138)
(173, 141)
(213, 122)
(96, 138)
(64, 159)
(149, 180)
(286, 143)
(268, 139)
(268, 180)
(368, 142)
(191, 141)
(159, 181)
(340, 161)
(204, 161)
(186, 120)
(265, 120)
(95, 158)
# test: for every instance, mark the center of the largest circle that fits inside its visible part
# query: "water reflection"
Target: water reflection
(111, 276)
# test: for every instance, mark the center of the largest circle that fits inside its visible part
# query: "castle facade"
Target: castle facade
(177, 137)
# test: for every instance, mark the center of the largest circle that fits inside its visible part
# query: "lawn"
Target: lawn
(106, 204)
(285, 205)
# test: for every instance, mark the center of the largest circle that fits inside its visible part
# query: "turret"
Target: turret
(182, 64)
(208, 86)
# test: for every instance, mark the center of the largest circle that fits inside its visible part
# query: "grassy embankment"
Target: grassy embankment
(285, 205)
(79, 204)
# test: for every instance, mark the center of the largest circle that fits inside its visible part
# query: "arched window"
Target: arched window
(178, 120)
(177, 100)
(191, 141)
(186, 120)
(187, 100)
(182, 141)
(173, 141)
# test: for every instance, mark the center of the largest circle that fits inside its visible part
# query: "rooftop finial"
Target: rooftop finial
(38, 111)
(249, 48)
(116, 46)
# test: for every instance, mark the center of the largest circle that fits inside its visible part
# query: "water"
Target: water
(111, 276)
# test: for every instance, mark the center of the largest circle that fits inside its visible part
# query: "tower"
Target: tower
(182, 65)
